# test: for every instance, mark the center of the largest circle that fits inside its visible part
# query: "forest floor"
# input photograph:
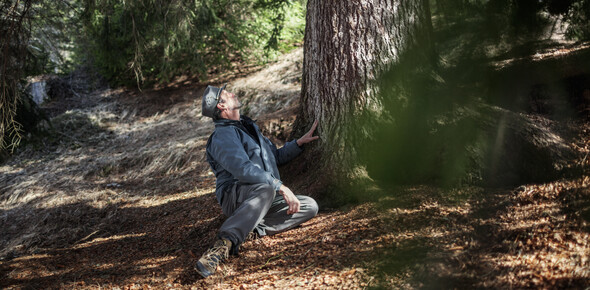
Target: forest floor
(122, 197)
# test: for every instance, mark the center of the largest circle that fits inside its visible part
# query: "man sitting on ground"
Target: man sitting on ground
(249, 187)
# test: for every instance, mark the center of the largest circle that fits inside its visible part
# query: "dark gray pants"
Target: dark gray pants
(257, 207)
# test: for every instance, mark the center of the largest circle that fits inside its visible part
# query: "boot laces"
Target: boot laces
(217, 253)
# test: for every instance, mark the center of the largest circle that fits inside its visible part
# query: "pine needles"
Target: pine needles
(14, 36)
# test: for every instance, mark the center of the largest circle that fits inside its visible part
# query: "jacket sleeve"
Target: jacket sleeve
(286, 153)
(229, 152)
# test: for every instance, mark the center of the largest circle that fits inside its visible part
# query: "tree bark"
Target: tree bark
(348, 46)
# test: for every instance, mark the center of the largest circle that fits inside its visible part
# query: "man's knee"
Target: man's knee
(308, 205)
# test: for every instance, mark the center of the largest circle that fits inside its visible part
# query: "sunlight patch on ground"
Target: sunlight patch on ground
(542, 265)
(153, 263)
(157, 201)
(109, 239)
(33, 257)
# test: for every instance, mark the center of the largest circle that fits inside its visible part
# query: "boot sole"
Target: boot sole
(201, 270)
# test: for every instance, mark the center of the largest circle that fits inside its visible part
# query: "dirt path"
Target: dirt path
(122, 197)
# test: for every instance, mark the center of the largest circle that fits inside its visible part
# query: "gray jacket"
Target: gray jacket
(239, 155)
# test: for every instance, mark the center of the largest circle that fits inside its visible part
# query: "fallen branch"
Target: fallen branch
(270, 259)
(310, 265)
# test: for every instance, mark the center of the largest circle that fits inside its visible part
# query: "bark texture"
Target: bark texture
(348, 45)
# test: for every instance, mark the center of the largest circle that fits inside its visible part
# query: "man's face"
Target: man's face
(230, 101)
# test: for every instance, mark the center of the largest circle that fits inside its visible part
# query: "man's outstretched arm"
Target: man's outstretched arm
(292, 148)
(287, 194)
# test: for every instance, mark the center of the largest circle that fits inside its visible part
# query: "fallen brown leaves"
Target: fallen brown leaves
(534, 236)
(327, 252)
(424, 237)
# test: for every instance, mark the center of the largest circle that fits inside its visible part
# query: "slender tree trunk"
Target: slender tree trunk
(348, 46)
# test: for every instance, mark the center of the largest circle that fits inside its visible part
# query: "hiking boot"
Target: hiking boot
(208, 263)
(253, 235)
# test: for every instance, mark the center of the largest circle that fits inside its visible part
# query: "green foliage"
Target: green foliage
(52, 27)
(33, 41)
(427, 140)
(445, 121)
(152, 40)
(516, 18)
(137, 40)
(578, 17)
(527, 15)
(14, 37)
(287, 23)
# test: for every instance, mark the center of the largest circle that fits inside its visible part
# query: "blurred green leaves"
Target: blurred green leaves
(578, 17)
(458, 120)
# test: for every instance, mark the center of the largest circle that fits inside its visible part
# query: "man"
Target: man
(249, 188)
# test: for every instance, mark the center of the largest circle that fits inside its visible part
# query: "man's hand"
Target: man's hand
(290, 198)
(308, 137)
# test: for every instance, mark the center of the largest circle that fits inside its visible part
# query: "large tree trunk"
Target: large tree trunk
(348, 45)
